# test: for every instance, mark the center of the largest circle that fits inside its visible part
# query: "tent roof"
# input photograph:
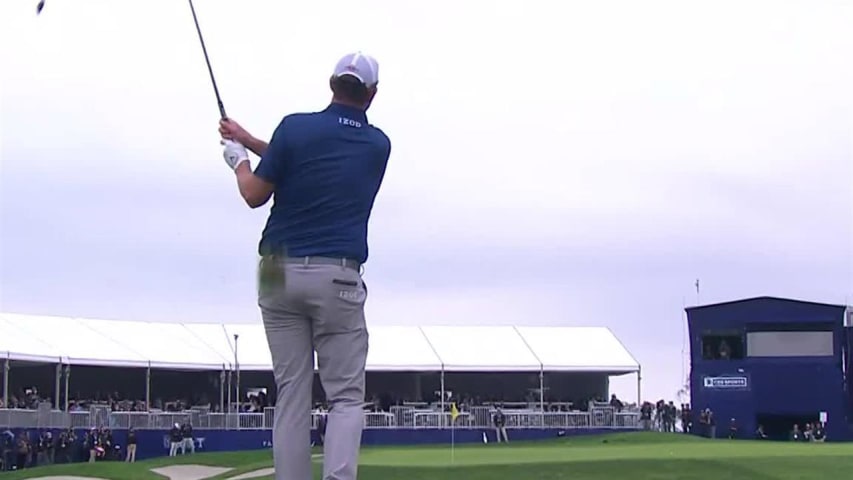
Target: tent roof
(17, 344)
(578, 349)
(400, 349)
(392, 348)
(73, 341)
(481, 348)
(165, 345)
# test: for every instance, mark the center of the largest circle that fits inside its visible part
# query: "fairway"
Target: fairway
(641, 456)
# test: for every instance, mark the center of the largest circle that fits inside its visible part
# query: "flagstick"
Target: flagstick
(452, 442)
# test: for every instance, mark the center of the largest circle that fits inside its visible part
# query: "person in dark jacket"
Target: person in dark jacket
(92, 443)
(131, 446)
(176, 437)
(7, 450)
(499, 421)
(321, 429)
(187, 439)
(23, 449)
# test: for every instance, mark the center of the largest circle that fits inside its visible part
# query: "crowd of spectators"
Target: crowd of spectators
(33, 448)
(663, 416)
(464, 402)
(29, 399)
(257, 401)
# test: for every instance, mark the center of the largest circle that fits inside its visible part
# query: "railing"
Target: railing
(399, 417)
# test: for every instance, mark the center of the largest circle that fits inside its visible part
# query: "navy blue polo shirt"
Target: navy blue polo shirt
(327, 167)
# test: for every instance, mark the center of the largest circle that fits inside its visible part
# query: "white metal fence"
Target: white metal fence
(399, 417)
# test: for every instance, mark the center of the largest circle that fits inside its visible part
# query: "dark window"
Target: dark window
(722, 346)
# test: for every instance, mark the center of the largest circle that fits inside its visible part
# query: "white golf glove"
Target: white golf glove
(234, 153)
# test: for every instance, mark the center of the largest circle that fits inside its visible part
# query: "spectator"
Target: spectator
(66, 444)
(725, 351)
(44, 449)
(187, 439)
(710, 423)
(321, 429)
(7, 450)
(176, 437)
(669, 415)
(686, 422)
(131, 446)
(23, 449)
(499, 421)
(616, 403)
(796, 435)
(819, 434)
(646, 412)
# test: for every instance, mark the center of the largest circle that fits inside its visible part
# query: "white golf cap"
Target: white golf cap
(360, 66)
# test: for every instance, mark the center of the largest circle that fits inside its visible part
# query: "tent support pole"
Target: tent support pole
(542, 394)
(442, 398)
(228, 382)
(67, 387)
(237, 396)
(148, 387)
(639, 387)
(222, 390)
(57, 386)
(6, 367)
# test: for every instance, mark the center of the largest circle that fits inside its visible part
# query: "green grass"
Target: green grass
(635, 456)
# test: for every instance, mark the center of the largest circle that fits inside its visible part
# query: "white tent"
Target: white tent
(578, 349)
(215, 347)
(71, 341)
(20, 345)
(400, 349)
(77, 341)
(488, 349)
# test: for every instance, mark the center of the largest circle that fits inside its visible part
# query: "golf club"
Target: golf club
(207, 60)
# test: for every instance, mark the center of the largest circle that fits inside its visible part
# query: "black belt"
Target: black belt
(343, 262)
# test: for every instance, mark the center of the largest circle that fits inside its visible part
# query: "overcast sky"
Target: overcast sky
(559, 163)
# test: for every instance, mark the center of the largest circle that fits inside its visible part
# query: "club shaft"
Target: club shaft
(207, 60)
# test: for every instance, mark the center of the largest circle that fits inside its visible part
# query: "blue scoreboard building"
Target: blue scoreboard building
(773, 362)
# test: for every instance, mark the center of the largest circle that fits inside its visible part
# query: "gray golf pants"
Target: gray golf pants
(315, 305)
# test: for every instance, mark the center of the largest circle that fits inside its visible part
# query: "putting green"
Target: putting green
(638, 456)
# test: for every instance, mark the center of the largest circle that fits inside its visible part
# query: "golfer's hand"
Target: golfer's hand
(234, 153)
(231, 130)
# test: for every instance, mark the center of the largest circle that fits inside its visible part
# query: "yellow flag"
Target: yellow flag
(453, 412)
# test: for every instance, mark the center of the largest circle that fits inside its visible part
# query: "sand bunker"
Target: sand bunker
(190, 472)
(265, 472)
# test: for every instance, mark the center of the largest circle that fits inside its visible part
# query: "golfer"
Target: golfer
(323, 171)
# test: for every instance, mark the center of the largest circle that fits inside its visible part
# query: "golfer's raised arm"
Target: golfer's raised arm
(256, 146)
(231, 130)
(255, 190)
